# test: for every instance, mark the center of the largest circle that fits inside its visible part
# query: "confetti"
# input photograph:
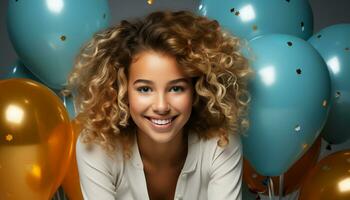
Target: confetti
(324, 103)
(9, 137)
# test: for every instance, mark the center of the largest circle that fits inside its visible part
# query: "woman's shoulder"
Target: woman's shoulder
(212, 150)
(93, 154)
(234, 141)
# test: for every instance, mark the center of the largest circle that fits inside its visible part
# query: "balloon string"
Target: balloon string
(272, 188)
(269, 187)
(64, 101)
(74, 106)
(281, 186)
(64, 97)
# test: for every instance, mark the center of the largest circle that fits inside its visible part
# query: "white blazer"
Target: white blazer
(210, 172)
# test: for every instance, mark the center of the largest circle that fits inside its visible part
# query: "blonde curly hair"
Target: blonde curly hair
(211, 58)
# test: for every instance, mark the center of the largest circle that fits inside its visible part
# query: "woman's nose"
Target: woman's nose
(161, 105)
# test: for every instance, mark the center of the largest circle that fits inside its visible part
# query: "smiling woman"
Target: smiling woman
(161, 106)
(154, 110)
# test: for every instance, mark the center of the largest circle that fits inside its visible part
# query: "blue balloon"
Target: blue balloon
(250, 18)
(17, 71)
(290, 92)
(47, 35)
(333, 43)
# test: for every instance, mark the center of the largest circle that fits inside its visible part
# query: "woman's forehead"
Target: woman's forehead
(151, 65)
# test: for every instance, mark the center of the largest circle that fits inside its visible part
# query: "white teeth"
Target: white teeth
(161, 122)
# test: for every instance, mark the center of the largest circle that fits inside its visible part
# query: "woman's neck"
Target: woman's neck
(160, 155)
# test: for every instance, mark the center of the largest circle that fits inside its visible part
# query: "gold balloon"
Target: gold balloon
(71, 183)
(330, 179)
(36, 140)
(293, 178)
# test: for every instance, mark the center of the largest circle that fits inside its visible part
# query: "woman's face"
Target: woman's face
(160, 96)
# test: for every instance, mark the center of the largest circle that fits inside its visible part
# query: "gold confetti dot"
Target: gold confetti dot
(255, 27)
(63, 37)
(150, 2)
(237, 13)
(324, 103)
(9, 137)
(305, 146)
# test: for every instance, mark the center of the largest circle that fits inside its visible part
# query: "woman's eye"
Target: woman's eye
(143, 89)
(178, 88)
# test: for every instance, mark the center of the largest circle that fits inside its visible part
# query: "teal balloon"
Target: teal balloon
(333, 43)
(250, 18)
(17, 71)
(47, 35)
(290, 91)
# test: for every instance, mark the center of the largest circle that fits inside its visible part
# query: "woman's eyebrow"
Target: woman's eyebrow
(170, 82)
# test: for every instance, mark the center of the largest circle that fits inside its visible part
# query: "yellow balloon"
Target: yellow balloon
(71, 183)
(36, 140)
(329, 179)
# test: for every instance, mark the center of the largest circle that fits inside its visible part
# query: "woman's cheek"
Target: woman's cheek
(182, 101)
(140, 102)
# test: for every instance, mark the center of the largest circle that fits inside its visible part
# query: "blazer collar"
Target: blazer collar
(191, 159)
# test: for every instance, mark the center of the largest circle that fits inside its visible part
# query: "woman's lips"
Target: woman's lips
(160, 127)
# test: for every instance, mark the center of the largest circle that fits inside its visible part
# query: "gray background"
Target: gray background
(326, 12)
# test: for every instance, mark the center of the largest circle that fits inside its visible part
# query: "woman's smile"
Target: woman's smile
(161, 125)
